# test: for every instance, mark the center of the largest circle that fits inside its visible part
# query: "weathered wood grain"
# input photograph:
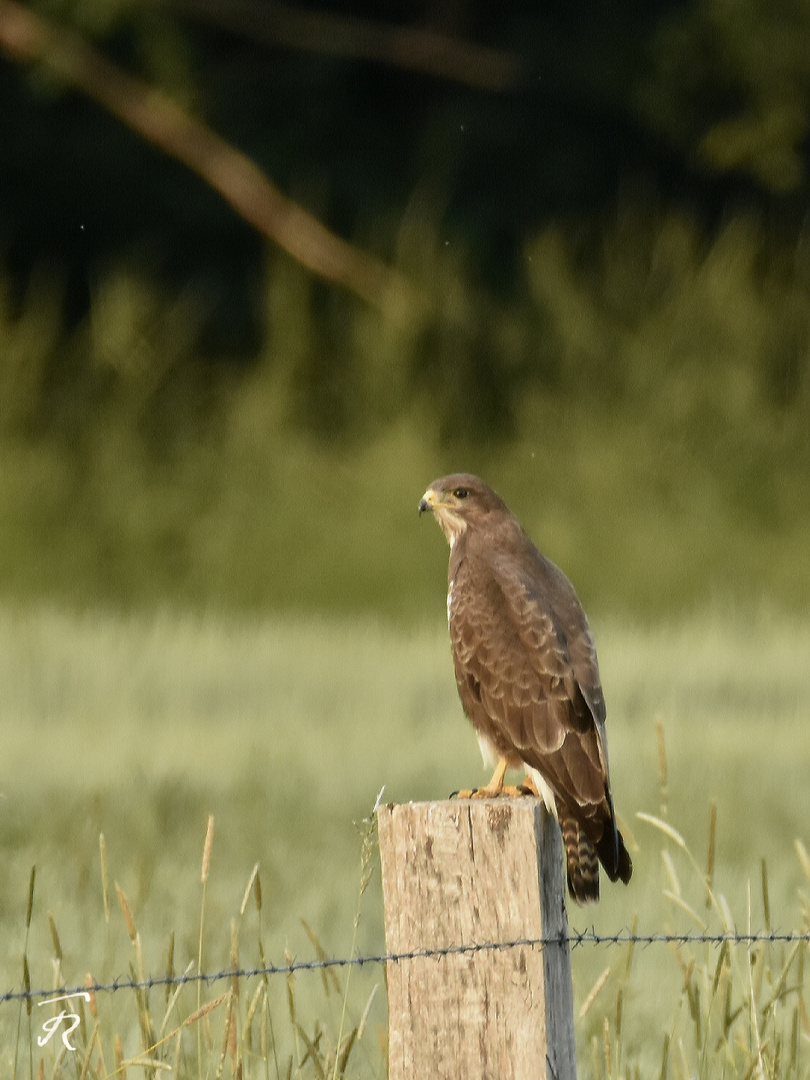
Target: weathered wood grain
(476, 872)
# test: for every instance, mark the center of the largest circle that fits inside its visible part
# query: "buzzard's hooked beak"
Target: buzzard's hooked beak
(445, 512)
(428, 501)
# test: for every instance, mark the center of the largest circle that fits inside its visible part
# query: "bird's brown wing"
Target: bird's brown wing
(527, 676)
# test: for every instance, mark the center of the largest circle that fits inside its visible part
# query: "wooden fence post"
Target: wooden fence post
(474, 872)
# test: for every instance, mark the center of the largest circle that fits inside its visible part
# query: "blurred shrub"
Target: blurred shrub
(660, 371)
(30, 337)
(652, 311)
(729, 85)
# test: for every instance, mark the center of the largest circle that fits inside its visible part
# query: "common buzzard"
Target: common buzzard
(527, 674)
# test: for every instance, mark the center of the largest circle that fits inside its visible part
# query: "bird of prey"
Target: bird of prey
(527, 674)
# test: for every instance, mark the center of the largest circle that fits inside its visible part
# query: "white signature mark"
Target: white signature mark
(50, 1026)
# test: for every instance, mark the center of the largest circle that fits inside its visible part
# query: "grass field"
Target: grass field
(140, 727)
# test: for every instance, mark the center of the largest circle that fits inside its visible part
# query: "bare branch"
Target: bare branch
(28, 38)
(412, 48)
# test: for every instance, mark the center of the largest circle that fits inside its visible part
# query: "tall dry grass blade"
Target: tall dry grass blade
(267, 1030)
(663, 827)
(662, 766)
(678, 954)
(606, 1049)
(92, 1044)
(766, 900)
(291, 1006)
(138, 950)
(693, 1000)
(618, 1038)
(209, 843)
(710, 854)
(721, 905)
(327, 973)
(169, 967)
(263, 1033)
(779, 986)
(235, 991)
(89, 982)
(151, 1063)
(776, 1062)
(687, 908)
(123, 903)
(593, 993)
(596, 1058)
(142, 997)
(343, 1058)
(731, 1015)
(664, 1060)
(233, 1050)
(247, 1026)
(248, 889)
(804, 858)
(96, 1037)
(367, 848)
(29, 911)
(226, 1036)
(629, 836)
(754, 1019)
(234, 958)
(794, 1043)
(58, 977)
(631, 948)
(105, 882)
(722, 957)
(257, 892)
(754, 1067)
(120, 1067)
(178, 989)
(148, 1064)
(313, 1053)
(206, 866)
(669, 867)
(27, 999)
(57, 944)
(361, 1027)
(178, 1046)
(687, 968)
(202, 1012)
(80, 1035)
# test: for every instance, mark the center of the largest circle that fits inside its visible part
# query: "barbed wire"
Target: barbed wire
(573, 939)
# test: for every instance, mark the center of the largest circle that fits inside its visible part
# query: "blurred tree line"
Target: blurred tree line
(240, 216)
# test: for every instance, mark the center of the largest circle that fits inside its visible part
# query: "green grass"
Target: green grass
(139, 727)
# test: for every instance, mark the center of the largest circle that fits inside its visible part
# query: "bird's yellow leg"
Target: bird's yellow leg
(528, 787)
(496, 786)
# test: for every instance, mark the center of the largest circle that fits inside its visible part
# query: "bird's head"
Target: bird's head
(457, 501)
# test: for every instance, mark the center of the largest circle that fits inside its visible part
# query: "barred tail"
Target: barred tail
(582, 863)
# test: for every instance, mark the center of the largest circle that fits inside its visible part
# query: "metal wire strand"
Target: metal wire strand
(574, 939)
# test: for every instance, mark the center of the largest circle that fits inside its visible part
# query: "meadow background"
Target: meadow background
(574, 260)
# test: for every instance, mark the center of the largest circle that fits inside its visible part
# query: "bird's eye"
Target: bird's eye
(461, 493)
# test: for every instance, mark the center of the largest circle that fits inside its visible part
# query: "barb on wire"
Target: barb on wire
(574, 939)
